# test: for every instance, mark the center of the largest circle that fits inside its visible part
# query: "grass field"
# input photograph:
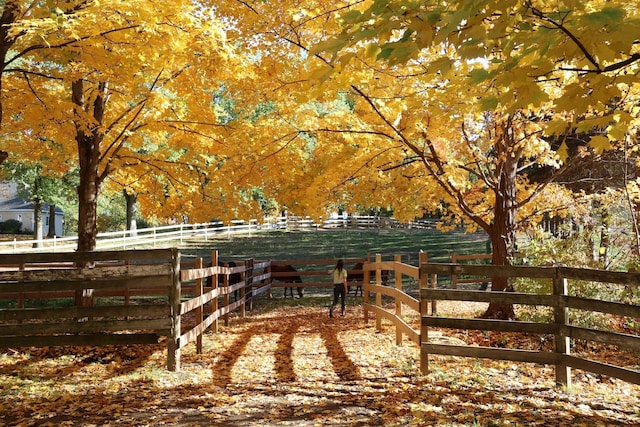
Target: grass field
(281, 245)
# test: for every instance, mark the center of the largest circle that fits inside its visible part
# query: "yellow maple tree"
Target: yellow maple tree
(447, 103)
(125, 88)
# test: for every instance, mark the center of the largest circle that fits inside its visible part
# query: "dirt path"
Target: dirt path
(295, 366)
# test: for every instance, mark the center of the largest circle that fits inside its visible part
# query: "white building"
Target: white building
(13, 207)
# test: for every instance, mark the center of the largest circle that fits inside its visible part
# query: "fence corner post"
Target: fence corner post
(173, 340)
(562, 340)
(424, 311)
(378, 294)
(199, 310)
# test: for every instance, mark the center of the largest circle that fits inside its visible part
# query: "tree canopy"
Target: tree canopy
(431, 106)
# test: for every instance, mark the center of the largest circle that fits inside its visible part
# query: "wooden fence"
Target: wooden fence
(132, 297)
(36, 288)
(147, 296)
(400, 297)
(121, 297)
(170, 234)
(561, 301)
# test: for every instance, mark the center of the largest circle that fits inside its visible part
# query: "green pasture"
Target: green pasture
(323, 244)
(349, 243)
(320, 245)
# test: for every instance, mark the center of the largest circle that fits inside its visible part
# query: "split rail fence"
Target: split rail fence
(560, 301)
(132, 297)
(126, 297)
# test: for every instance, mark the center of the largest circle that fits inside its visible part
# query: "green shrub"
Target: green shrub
(11, 226)
(573, 251)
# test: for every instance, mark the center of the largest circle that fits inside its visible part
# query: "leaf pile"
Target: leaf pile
(295, 366)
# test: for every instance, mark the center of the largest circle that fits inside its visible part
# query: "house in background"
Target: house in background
(13, 207)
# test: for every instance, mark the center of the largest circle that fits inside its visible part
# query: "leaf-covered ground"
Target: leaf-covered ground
(295, 366)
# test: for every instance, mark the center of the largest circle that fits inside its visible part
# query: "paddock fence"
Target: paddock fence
(150, 297)
(566, 309)
(133, 297)
(169, 235)
(119, 297)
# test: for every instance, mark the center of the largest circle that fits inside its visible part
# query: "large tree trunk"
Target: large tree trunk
(37, 223)
(87, 209)
(89, 157)
(88, 137)
(51, 233)
(131, 211)
(503, 233)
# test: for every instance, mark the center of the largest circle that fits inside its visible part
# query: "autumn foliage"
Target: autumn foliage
(416, 107)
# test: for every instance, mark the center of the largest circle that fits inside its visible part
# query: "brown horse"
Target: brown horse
(286, 279)
(359, 277)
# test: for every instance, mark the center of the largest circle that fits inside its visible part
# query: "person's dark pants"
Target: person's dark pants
(338, 292)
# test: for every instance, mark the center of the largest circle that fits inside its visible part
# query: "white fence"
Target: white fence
(128, 239)
(156, 236)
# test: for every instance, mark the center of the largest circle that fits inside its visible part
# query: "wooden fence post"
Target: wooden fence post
(454, 277)
(173, 345)
(398, 280)
(424, 311)
(269, 281)
(214, 286)
(199, 313)
(434, 284)
(561, 318)
(226, 297)
(243, 291)
(366, 278)
(249, 281)
(378, 294)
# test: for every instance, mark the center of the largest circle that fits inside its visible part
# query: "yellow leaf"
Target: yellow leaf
(599, 144)
(372, 50)
(322, 73)
(563, 152)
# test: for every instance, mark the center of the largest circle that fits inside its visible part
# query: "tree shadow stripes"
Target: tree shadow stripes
(224, 365)
(287, 327)
(284, 357)
(342, 364)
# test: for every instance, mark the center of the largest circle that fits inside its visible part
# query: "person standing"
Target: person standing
(339, 274)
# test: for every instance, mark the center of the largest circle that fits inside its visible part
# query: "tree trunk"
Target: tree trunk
(52, 221)
(87, 208)
(88, 142)
(131, 211)
(37, 223)
(503, 232)
(7, 18)
(88, 138)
